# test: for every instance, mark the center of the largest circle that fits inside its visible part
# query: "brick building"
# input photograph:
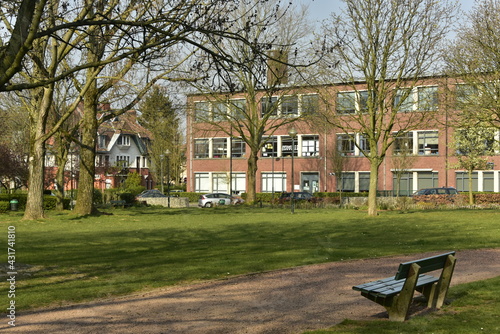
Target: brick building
(211, 157)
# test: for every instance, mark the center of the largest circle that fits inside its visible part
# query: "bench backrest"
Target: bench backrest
(428, 264)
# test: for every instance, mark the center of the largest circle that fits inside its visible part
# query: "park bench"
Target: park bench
(396, 293)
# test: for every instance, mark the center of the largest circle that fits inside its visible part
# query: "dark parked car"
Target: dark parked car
(150, 193)
(436, 191)
(297, 196)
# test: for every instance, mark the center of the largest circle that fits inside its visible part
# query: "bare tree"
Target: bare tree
(473, 60)
(247, 92)
(386, 48)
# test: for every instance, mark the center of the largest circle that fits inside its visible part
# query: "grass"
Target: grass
(65, 259)
(474, 309)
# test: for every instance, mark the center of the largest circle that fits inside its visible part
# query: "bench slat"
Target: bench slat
(390, 286)
(426, 265)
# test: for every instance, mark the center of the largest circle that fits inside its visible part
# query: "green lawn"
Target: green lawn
(74, 259)
(474, 309)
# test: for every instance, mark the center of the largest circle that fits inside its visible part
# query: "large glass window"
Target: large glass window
(290, 105)
(346, 182)
(123, 140)
(403, 100)
(270, 148)
(286, 146)
(219, 111)
(123, 161)
(238, 108)
(273, 182)
(345, 145)
(310, 146)
(310, 104)
(346, 102)
(238, 147)
(364, 181)
(202, 111)
(427, 180)
(219, 148)
(403, 144)
(405, 184)
(428, 142)
(220, 182)
(202, 182)
(488, 181)
(239, 183)
(427, 98)
(363, 100)
(462, 181)
(364, 144)
(201, 148)
(465, 95)
(269, 106)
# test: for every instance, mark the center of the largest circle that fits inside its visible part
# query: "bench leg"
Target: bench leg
(444, 282)
(398, 311)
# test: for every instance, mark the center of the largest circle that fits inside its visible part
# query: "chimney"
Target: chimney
(277, 69)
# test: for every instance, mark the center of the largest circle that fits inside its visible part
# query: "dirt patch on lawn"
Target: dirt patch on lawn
(283, 301)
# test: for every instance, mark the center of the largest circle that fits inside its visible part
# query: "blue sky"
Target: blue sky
(321, 9)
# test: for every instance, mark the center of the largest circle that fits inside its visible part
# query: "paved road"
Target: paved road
(284, 301)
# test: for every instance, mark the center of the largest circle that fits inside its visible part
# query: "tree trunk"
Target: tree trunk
(60, 180)
(85, 195)
(34, 202)
(372, 194)
(471, 196)
(251, 176)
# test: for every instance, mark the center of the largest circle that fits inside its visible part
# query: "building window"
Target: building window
(238, 183)
(270, 148)
(201, 148)
(488, 181)
(290, 106)
(428, 142)
(427, 98)
(364, 144)
(347, 182)
(219, 148)
(310, 104)
(287, 144)
(219, 111)
(238, 108)
(269, 106)
(404, 100)
(202, 182)
(202, 111)
(220, 182)
(427, 180)
(101, 141)
(122, 161)
(364, 100)
(238, 148)
(364, 181)
(346, 102)
(345, 145)
(123, 140)
(403, 144)
(310, 146)
(462, 181)
(273, 182)
(405, 183)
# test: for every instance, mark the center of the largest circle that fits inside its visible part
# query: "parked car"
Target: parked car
(209, 200)
(150, 193)
(297, 196)
(436, 191)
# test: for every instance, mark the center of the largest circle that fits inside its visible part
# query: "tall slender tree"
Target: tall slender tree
(387, 45)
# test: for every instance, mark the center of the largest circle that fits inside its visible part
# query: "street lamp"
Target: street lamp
(161, 172)
(292, 133)
(168, 177)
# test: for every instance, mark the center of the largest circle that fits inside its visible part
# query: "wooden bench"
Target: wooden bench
(396, 293)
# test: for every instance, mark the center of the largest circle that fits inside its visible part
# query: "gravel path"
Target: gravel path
(283, 301)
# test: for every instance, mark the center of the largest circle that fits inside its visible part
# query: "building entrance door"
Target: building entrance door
(310, 182)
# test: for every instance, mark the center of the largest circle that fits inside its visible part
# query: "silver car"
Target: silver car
(209, 200)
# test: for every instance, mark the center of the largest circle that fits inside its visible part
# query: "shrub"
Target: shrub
(4, 206)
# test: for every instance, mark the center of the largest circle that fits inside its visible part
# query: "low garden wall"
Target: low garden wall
(175, 202)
